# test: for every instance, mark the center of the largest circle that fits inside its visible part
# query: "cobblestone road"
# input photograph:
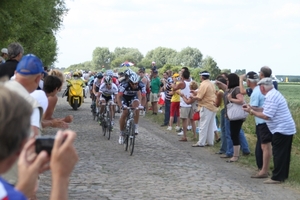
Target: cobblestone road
(160, 168)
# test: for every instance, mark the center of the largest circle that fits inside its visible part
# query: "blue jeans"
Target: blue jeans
(243, 140)
(223, 133)
(167, 113)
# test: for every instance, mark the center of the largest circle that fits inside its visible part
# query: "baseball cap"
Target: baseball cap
(30, 65)
(175, 75)
(265, 81)
(155, 71)
(4, 50)
(204, 73)
(252, 75)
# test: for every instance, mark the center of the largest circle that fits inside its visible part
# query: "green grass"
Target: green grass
(290, 92)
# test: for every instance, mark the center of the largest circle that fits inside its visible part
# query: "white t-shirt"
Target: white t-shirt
(41, 98)
(35, 118)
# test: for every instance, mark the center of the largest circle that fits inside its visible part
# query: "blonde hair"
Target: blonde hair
(59, 74)
(193, 85)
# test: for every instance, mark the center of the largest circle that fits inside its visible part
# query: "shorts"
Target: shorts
(127, 100)
(106, 98)
(174, 109)
(153, 97)
(264, 133)
(97, 89)
(186, 113)
(148, 97)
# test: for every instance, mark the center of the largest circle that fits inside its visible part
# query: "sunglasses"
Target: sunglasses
(134, 83)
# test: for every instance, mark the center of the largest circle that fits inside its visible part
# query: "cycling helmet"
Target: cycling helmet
(99, 76)
(107, 80)
(134, 78)
(109, 73)
(128, 72)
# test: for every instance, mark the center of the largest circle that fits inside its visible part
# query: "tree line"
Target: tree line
(165, 58)
(32, 23)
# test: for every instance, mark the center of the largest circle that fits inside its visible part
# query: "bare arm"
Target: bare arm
(219, 99)
(242, 88)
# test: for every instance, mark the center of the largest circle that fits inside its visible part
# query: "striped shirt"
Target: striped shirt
(168, 89)
(280, 118)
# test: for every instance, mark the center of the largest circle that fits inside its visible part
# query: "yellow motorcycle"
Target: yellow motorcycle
(74, 92)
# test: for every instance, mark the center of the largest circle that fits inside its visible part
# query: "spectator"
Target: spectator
(263, 149)
(194, 107)
(52, 99)
(266, 72)
(175, 103)
(28, 73)
(146, 82)
(185, 109)
(279, 120)
(4, 55)
(205, 96)
(155, 86)
(229, 144)
(52, 85)
(167, 88)
(234, 96)
(15, 53)
(12, 140)
(220, 103)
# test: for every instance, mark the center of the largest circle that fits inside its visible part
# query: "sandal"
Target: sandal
(183, 140)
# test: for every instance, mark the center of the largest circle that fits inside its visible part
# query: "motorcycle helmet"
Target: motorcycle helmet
(107, 80)
(75, 74)
(134, 78)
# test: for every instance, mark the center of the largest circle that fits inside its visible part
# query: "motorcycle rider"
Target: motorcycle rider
(107, 93)
(76, 76)
(132, 93)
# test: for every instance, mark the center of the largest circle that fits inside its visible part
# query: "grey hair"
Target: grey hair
(268, 87)
(266, 71)
(15, 122)
(14, 49)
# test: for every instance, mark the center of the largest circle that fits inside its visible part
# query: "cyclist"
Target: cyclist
(96, 85)
(131, 93)
(111, 74)
(108, 92)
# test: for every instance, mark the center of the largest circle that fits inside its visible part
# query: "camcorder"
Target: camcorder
(44, 143)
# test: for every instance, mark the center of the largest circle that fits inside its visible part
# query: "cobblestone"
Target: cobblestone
(160, 168)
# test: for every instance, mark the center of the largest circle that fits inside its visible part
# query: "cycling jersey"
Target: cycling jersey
(126, 89)
(108, 92)
(97, 83)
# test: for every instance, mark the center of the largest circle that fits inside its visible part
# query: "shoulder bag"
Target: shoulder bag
(235, 111)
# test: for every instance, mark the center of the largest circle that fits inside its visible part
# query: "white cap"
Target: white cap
(153, 62)
(4, 50)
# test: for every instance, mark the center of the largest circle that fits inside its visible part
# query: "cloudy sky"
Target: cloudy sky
(238, 34)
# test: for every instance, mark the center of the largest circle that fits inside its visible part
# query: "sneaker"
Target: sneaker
(136, 131)
(112, 123)
(178, 128)
(169, 128)
(180, 133)
(121, 139)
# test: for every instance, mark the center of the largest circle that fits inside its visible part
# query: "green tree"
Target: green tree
(161, 56)
(33, 23)
(128, 54)
(240, 71)
(208, 64)
(228, 71)
(189, 57)
(102, 57)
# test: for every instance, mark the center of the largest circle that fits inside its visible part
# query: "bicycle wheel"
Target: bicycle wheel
(108, 124)
(131, 137)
